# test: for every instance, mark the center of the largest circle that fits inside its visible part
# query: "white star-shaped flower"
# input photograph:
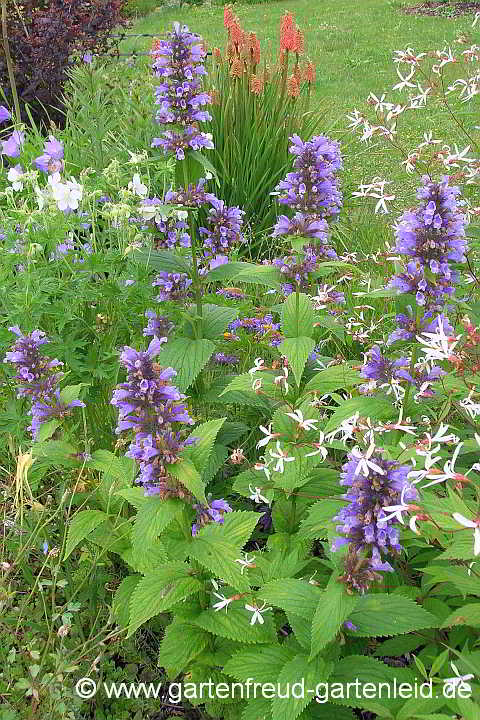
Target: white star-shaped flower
(224, 602)
(257, 613)
(282, 457)
(459, 680)
(474, 525)
(246, 562)
(303, 424)
(267, 431)
(256, 495)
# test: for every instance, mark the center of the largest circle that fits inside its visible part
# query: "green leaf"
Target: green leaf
(135, 496)
(219, 556)
(80, 526)
(71, 392)
(247, 273)
(151, 519)
(121, 599)
(458, 576)
(378, 408)
(320, 519)
(334, 607)
(216, 460)
(332, 324)
(121, 468)
(163, 260)
(297, 350)
(297, 316)
(200, 451)
(466, 615)
(235, 625)
(384, 615)
(186, 473)
(335, 377)
(308, 675)
(181, 643)
(46, 430)
(399, 646)
(264, 663)
(188, 357)
(158, 592)
(216, 319)
(292, 595)
(236, 529)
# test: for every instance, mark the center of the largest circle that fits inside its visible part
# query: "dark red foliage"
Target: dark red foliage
(44, 38)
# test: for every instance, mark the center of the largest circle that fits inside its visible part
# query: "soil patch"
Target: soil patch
(443, 9)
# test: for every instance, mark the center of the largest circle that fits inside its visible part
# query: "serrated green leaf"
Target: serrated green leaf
(46, 430)
(334, 378)
(71, 392)
(151, 519)
(216, 460)
(384, 615)
(264, 663)
(158, 592)
(320, 519)
(399, 646)
(181, 643)
(458, 576)
(121, 468)
(257, 708)
(297, 316)
(216, 319)
(219, 556)
(121, 599)
(333, 608)
(297, 670)
(206, 435)
(235, 625)
(297, 351)
(292, 595)
(163, 260)
(81, 525)
(378, 408)
(467, 615)
(186, 473)
(135, 496)
(188, 357)
(237, 528)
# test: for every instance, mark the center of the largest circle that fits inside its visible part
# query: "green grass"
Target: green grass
(352, 44)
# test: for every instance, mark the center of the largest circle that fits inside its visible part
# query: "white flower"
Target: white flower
(448, 470)
(471, 407)
(282, 379)
(473, 524)
(459, 680)
(257, 613)
(246, 562)
(320, 449)
(365, 464)
(437, 345)
(281, 457)
(258, 364)
(356, 119)
(224, 602)
(137, 186)
(267, 431)
(428, 139)
(395, 511)
(476, 19)
(404, 81)
(67, 194)
(303, 424)
(15, 176)
(379, 104)
(262, 466)
(256, 495)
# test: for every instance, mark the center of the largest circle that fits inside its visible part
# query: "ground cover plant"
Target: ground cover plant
(227, 461)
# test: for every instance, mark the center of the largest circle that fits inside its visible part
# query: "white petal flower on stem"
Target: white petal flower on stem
(297, 416)
(256, 495)
(404, 81)
(257, 613)
(15, 175)
(282, 457)
(458, 680)
(224, 602)
(267, 431)
(395, 511)
(137, 187)
(246, 562)
(472, 524)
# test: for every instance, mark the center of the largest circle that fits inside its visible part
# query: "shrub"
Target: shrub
(256, 108)
(45, 37)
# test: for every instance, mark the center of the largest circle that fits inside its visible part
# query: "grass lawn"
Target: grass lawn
(352, 44)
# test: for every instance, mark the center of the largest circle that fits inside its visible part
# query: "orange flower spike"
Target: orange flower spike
(287, 33)
(228, 16)
(237, 67)
(310, 73)
(293, 86)
(299, 42)
(256, 84)
(217, 53)
(254, 48)
(236, 33)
